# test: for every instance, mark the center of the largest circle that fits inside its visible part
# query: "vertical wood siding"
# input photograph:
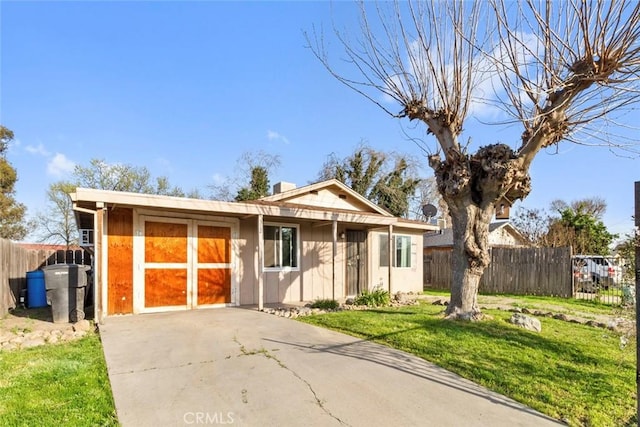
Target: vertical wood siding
(120, 261)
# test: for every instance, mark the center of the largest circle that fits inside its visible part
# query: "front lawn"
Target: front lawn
(576, 373)
(56, 385)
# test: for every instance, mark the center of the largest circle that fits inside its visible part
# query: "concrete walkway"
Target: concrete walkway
(241, 367)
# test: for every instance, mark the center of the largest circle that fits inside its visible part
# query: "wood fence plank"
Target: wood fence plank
(16, 261)
(519, 271)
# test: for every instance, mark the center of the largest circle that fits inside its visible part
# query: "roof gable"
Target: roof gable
(330, 194)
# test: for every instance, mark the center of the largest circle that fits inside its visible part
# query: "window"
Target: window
(280, 246)
(384, 251)
(403, 251)
(402, 254)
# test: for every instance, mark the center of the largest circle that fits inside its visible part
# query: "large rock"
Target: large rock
(526, 322)
(82, 325)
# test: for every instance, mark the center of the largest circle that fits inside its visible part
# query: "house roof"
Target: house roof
(444, 237)
(332, 185)
(288, 204)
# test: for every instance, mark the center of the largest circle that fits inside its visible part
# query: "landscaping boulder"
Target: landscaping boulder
(526, 322)
(401, 297)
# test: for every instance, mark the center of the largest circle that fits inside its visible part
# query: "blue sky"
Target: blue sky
(185, 88)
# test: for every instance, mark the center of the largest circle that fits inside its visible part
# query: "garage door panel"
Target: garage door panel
(165, 287)
(214, 286)
(165, 242)
(214, 244)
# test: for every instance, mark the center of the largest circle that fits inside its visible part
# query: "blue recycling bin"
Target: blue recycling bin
(36, 291)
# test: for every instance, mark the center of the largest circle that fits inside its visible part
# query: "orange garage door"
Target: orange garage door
(187, 264)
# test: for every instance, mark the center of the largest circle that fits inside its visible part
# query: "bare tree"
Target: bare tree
(594, 206)
(251, 178)
(427, 193)
(57, 224)
(556, 67)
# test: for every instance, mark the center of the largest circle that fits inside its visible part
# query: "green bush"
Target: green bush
(325, 304)
(375, 298)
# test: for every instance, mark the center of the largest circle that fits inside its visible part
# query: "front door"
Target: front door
(187, 264)
(356, 261)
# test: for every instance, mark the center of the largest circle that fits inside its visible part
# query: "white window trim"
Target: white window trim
(287, 268)
(395, 253)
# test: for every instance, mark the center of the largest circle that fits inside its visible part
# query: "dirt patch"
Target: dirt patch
(24, 328)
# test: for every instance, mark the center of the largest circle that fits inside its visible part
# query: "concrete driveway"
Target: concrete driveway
(238, 366)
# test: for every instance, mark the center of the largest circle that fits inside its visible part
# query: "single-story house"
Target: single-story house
(501, 234)
(324, 240)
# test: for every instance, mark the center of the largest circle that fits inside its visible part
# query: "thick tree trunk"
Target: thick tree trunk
(469, 259)
(471, 185)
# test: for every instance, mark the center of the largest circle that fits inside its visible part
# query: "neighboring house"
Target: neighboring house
(324, 240)
(501, 234)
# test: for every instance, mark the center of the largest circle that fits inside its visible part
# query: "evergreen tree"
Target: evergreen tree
(12, 214)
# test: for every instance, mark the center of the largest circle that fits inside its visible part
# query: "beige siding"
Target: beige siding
(312, 280)
(329, 199)
(247, 262)
(317, 253)
(502, 237)
(403, 279)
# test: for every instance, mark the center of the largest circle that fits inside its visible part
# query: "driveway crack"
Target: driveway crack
(264, 352)
(161, 368)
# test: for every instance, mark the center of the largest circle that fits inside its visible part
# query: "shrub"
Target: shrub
(376, 298)
(325, 304)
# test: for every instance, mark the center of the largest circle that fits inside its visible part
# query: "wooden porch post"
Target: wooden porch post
(260, 262)
(334, 234)
(99, 286)
(390, 254)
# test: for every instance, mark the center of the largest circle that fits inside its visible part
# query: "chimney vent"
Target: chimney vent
(282, 187)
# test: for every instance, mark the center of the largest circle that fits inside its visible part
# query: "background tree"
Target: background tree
(592, 206)
(251, 179)
(627, 251)
(427, 193)
(577, 224)
(557, 68)
(369, 173)
(533, 224)
(57, 224)
(582, 230)
(13, 224)
(124, 177)
(258, 185)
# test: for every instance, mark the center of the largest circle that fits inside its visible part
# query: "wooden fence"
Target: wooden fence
(16, 261)
(518, 271)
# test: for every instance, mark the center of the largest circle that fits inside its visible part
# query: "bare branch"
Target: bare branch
(576, 61)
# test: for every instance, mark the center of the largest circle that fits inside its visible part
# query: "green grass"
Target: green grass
(533, 302)
(568, 371)
(56, 385)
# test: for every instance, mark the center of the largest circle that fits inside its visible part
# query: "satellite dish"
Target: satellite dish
(429, 210)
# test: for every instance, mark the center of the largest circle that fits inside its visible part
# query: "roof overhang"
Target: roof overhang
(86, 200)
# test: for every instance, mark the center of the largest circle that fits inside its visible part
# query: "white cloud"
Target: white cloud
(59, 165)
(218, 179)
(37, 150)
(275, 136)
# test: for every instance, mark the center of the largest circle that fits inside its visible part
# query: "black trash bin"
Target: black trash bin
(65, 285)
